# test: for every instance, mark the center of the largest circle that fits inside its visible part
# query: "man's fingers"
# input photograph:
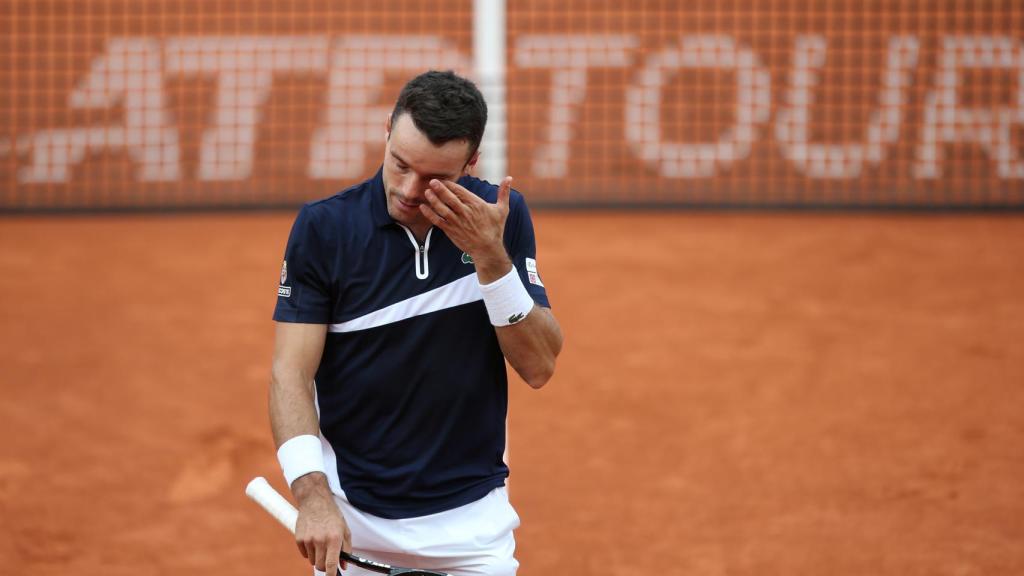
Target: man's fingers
(442, 209)
(433, 216)
(457, 198)
(504, 191)
(333, 550)
(449, 193)
(333, 559)
(346, 545)
(321, 556)
(307, 547)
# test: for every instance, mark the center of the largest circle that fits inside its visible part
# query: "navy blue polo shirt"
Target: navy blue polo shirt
(411, 390)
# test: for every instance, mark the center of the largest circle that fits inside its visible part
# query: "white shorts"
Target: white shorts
(474, 539)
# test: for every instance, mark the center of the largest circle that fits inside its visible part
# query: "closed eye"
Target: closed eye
(402, 167)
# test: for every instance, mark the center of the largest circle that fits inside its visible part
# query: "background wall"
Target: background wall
(113, 104)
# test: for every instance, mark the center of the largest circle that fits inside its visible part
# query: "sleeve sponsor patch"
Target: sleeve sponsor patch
(282, 290)
(531, 273)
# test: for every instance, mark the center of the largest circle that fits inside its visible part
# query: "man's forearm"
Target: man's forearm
(320, 529)
(532, 345)
(293, 413)
(292, 409)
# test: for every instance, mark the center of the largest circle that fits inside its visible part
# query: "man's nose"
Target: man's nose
(415, 189)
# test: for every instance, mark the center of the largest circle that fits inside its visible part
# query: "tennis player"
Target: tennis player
(400, 300)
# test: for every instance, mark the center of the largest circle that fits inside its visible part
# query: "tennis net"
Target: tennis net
(121, 104)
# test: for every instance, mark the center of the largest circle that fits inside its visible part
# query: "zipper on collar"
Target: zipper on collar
(422, 251)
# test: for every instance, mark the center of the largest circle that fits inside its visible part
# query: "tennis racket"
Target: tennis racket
(264, 494)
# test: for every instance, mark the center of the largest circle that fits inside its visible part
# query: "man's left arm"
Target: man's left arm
(531, 343)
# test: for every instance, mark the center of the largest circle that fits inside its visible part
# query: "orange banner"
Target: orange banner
(110, 104)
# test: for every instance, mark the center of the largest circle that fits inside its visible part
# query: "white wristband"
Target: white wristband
(300, 456)
(506, 299)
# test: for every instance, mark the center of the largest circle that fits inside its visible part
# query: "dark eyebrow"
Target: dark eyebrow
(399, 158)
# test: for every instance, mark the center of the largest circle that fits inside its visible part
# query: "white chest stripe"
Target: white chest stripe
(462, 291)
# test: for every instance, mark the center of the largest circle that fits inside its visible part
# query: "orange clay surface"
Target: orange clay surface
(741, 394)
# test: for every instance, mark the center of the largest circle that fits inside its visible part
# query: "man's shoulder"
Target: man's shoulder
(349, 204)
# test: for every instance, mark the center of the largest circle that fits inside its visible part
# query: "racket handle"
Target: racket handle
(264, 494)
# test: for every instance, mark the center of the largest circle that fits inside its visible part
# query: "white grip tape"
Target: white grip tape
(264, 494)
(506, 299)
(300, 456)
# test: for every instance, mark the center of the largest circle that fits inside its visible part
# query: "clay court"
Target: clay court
(795, 351)
(739, 394)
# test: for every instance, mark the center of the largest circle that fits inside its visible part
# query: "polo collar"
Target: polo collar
(378, 201)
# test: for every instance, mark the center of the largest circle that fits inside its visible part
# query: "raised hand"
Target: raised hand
(477, 227)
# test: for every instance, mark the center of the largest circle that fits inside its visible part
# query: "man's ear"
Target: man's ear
(472, 162)
(387, 128)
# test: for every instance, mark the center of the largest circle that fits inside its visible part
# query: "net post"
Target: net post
(489, 52)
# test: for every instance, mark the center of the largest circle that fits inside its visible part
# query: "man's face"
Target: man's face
(411, 161)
